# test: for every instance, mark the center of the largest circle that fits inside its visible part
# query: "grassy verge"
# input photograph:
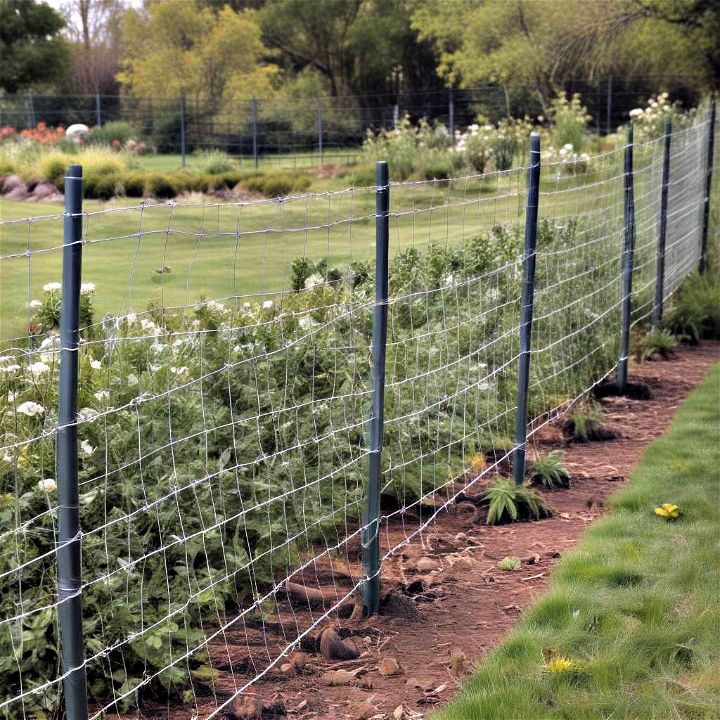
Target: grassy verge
(634, 609)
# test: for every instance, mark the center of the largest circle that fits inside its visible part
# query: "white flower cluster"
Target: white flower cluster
(52, 287)
(315, 280)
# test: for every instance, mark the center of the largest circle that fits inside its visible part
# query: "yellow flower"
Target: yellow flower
(562, 664)
(668, 511)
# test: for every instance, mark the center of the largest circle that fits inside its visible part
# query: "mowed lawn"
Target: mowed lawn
(175, 253)
(630, 625)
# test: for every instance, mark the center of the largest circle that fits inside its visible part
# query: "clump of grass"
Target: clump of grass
(585, 423)
(695, 315)
(549, 471)
(509, 502)
(216, 162)
(656, 343)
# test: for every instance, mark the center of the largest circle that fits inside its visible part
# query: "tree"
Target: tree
(93, 28)
(176, 47)
(33, 53)
(544, 46)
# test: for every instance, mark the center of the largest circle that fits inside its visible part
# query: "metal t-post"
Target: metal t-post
(627, 263)
(68, 555)
(253, 110)
(662, 230)
(320, 129)
(371, 524)
(708, 187)
(526, 308)
(183, 139)
(451, 116)
(98, 110)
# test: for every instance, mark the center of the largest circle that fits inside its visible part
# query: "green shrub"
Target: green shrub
(114, 130)
(548, 471)
(134, 183)
(216, 162)
(228, 179)
(509, 502)
(695, 314)
(585, 423)
(276, 184)
(160, 186)
(100, 186)
(53, 168)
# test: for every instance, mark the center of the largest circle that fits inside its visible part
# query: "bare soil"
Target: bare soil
(445, 602)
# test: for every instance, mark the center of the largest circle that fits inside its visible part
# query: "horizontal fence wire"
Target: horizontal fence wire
(225, 391)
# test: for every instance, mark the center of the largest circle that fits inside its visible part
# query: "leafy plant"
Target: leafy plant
(548, 471)
(509, 502)
(656, 343)
(510, 563)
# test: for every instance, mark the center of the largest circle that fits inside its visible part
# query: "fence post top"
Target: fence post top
(74, 171)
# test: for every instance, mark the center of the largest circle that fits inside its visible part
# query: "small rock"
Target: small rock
(426, 564)
(333, 648)
(45, 191)
(461, 537)
(389, 666)
(398, 713)
(463, 564)
(360, 710)
(339, 677)
(248, 707)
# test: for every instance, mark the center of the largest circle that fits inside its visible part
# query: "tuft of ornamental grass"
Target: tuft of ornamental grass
(549, 471)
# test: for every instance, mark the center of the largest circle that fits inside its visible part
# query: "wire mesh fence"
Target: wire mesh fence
(305, 132)
(226, 389)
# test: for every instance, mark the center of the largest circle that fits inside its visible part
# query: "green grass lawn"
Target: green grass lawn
(635, 607)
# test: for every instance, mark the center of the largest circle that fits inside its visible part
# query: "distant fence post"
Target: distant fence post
(608, 109)
(451, 117)
(183, 138)
(253, 114)
(30, 108)
(526, 308)
(98, 110)
(320, 129)
(662, 230)
(371, 524)
(627, 263)
(708, 187)
(69, 582)
(396, 115)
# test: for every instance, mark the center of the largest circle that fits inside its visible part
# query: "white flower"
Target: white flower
(102, 395)
(636, 112)
(51, 286)
(267, 304)
(246, 305)
(30, 408)
(131, 318)
(96, 365)
(86, 449)
(38, 368)
(449, 280)
(315, 280)
(11, 397)
(87, 415)
(49, 341)
(87, 288)
(216, 306)
(47, 485)
(178, 370)
(306, 322)
(9, 368)
(146, 324)
(34, 304)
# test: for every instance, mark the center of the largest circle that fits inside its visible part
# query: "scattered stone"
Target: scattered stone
(339, 677)
(389, 666)
(399, 713)
(461, 538)
(463, 564)
(18, 193)
(45, 191)
(333, 648)
(248, 707)
(11, 182)
(360, 710)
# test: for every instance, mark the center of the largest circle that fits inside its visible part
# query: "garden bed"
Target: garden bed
(442, 621)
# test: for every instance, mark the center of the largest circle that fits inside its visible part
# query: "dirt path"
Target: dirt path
(451, 604)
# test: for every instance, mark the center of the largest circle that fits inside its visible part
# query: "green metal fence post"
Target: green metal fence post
(662, 231)
(708, 187)
(183, 138)
(68, 555)
(371, 521)
(627, 263)
(526, 308)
